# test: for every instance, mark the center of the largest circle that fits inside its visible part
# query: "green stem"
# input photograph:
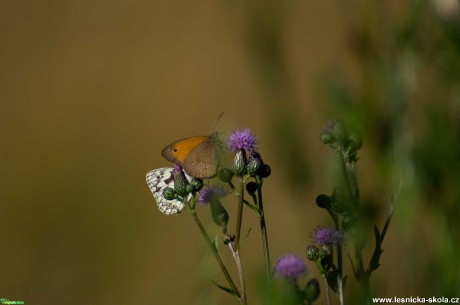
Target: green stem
(339, 266)
(240, 213)
(352, 195)
(216, 254)
(263, 229)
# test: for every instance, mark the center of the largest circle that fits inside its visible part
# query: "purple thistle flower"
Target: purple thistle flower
(242, 140)
(209, 194)
(327, 236)
(177, 169)
(289, 266)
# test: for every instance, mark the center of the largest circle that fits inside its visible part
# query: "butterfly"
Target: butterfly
(199, 156)
(158, 180)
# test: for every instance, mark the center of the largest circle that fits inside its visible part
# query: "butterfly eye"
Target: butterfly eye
(175, 149)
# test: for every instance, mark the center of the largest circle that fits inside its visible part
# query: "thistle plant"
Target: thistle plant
(348, 217)
(244, 179)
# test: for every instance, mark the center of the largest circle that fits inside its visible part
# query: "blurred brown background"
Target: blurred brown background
(91, 91)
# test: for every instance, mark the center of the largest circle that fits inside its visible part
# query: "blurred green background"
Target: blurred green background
(91, 91)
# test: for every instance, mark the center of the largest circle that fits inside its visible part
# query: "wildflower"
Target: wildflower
(289, 266)
(180, 181)
(327, 236)
(210, 194)
(242, 140)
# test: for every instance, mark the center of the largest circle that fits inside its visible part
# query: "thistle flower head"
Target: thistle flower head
(210, 194)
(242, 140)
(289, 266)
(327, 236)
(177, 169)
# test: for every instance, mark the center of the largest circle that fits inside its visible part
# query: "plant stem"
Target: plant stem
(327, 292)
(239, 266)
(340, 267)
(240, 213)
(216, 254)
(263, 228)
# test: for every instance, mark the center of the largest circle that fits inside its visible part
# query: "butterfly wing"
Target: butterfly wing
(203, 160)
(158, 180)
(199, 156)
(178, 151)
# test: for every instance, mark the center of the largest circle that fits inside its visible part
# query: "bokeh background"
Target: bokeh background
(91, 91)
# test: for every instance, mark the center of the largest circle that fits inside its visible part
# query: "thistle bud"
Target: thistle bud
(239, 163)
(338, 131)
(355, 141)
(326, 137)
(197, 184)
(333, 133)
(169, 193)
(323, 201)
(180, 181)
(225, 175)
(219, 214)
(254, 163)
(312, 253)
(251, 187)
(265, 171)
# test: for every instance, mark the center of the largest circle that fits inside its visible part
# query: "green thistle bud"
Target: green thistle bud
(219, 214)
(225, 175)
(254, 163)
(197, 185)
(326, 137)
(251, 187)
(180, 182)
(338, 131)
(312, 253)
(239, 163)
(312, 290)
(169, 193)
(355, 142)
(334, 133)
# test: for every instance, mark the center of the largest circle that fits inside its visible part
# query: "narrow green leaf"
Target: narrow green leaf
(352, 265)
(253, 207)
(215, 243)
(247, 234)
(226, 289)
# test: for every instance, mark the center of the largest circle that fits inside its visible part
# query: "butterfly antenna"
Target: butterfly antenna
(217, 122)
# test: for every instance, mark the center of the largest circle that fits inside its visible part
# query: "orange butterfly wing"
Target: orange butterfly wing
(178, 151)
(198, 155)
